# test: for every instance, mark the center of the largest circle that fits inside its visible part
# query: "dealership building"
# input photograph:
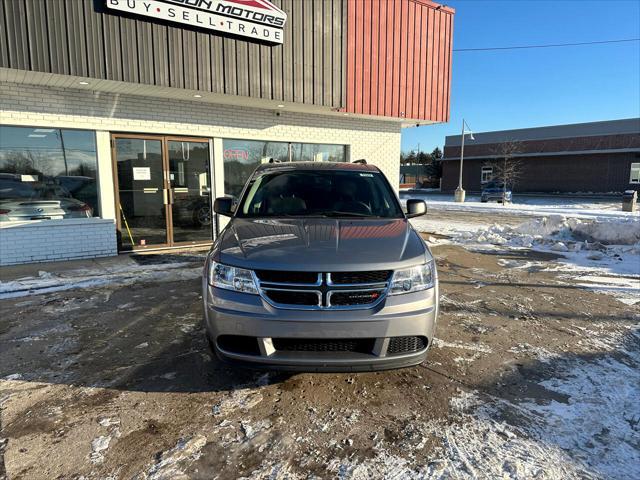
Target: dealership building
(121, 120)
(595, 157)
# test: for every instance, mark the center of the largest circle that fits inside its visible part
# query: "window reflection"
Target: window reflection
(47, 173)
(241, 157)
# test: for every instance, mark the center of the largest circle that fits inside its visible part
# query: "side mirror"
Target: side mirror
(416, 208)
(223, 206)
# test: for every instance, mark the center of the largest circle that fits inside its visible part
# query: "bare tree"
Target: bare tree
(507, 169)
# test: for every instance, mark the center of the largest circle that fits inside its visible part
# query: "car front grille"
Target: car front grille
(357, 345)
(277, 276)
(293, 297)
(379, 276)
(400, 345)
(320, 290)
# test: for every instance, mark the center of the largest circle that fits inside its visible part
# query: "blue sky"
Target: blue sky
(528, 88)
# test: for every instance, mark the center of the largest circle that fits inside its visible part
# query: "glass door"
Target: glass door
(190, 191)
(163, 194)
(141, 192)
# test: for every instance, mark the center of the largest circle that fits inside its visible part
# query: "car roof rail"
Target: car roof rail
(361, 161)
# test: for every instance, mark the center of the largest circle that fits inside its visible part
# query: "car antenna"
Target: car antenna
(361, 161)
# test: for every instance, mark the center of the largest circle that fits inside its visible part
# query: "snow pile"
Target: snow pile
(560, 233)
(47, 282)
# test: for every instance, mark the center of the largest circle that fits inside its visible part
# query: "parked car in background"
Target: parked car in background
(496, 191)
(320, 269)
(193, 210)
(35, 200)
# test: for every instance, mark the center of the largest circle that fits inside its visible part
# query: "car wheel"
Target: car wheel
(202, 216)
(484, 200)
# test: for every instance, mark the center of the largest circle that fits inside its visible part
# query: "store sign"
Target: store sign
(236, 154)
(256, 19)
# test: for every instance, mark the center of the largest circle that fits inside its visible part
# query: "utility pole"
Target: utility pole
(460, 193)
(417, 165)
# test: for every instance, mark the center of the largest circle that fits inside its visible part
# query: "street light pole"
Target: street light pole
(460, 193)
(417, 165)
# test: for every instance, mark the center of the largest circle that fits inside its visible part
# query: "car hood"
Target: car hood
(320, 244)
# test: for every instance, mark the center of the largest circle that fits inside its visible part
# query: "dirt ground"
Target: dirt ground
(117, 381)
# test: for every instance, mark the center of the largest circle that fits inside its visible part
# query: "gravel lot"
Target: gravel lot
(530, 376)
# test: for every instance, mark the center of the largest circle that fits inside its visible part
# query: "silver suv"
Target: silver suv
(319, 269)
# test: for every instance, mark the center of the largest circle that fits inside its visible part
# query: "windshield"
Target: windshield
(319, 193)
(15, 189)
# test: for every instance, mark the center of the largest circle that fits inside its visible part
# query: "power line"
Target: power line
(551, 45)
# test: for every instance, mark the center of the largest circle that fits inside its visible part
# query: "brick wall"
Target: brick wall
(604, 173)
(51, 240)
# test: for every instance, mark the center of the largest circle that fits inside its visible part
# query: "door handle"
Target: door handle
(165, 197)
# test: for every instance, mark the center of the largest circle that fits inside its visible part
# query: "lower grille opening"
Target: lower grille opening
(355, 345)
(289, 297)
(400, 345)
(239, 344)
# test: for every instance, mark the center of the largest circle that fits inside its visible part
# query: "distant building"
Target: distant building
(582, 157)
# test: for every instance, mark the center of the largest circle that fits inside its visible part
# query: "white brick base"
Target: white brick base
(51, 240)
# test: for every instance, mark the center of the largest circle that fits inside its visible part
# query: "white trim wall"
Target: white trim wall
(377, 141)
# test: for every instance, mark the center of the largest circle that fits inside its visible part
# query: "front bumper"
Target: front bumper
(229, 313)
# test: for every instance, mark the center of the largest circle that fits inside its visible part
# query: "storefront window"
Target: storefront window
(47, 173)
(241, 157)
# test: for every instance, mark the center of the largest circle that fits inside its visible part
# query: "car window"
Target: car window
(319, 193)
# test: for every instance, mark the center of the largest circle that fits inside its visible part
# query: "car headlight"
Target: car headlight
(412, 279)
(231, 278)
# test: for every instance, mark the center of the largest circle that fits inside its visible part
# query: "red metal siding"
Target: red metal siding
(399, 59)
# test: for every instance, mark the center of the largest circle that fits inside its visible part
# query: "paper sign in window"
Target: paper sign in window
(142, 173)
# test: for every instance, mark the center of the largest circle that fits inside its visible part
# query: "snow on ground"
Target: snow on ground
(534, 206)
(550, 436)
(598, 253)
(125, 274)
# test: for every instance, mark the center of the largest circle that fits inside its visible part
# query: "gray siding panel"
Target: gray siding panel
(129, 50)
(307, 56)
(37, 33)
(190, 64)
(16, 32)
(176, 76)
(113, 60)
(58, 40)
(84, 38)
(4, 52)
(266, 75)
(217, 64)
(287, 53)
(230, 67)
(255, 78)
(160, 55)
(77, 54)
(94, 41)
(144, 35)
(298, 51)
(242, 63)
(203, 61)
